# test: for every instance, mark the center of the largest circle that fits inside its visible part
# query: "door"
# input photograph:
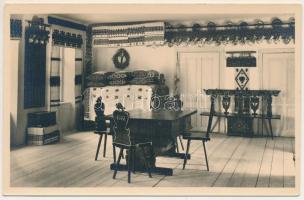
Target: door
(199, 71)
(278, 72)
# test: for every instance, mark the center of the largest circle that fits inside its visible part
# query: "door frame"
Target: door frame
(261, 67)
(220, 51)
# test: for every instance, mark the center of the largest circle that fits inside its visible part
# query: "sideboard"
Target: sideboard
(248, 105)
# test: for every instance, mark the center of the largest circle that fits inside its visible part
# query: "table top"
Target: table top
(160, 115)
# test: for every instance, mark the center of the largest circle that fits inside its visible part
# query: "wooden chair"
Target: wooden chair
(202, 136)
(101, 133)
(123, 139)
(102, 127)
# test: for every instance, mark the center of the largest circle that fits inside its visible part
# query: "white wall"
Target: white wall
(163, 59)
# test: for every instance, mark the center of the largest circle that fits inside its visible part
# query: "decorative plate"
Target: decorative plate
(121, 59)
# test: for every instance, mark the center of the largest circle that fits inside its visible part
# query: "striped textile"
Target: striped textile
(55, 77)
(78, 75)
(44, 139)
(117, 35)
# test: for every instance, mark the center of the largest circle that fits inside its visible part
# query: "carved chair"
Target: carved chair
(102, 128)
(124, 140)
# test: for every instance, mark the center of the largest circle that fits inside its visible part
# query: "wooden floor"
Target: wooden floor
(233, 162)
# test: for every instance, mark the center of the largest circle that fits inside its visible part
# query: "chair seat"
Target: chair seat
(102, 132)
(196, 136)
(135, 143)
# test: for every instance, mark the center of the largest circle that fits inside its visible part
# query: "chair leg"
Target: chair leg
(129, 162)
(133, 160)
(105, 145)
(98, 147)
(117, 164)
(114, 154)
(181, 142)
(146, 162)
(151, 153)
(176, 145)
(186, 154)
(206, 155)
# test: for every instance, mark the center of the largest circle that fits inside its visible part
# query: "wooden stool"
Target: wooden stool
(101, 133)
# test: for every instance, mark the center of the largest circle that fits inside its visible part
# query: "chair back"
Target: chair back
(100, 121)
(121, 132)
(172, 103)
(211, 114)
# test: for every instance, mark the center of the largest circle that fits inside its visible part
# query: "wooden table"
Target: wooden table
(162, 127)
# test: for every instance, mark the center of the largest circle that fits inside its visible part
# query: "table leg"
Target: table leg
(154, 170)
(173, 154)
(270, 127)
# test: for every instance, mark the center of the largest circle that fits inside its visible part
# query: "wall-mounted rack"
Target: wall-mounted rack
(241, 59)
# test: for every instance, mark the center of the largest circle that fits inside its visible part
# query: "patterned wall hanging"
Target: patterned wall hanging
(241, 59)
(121, 59)
(88, 52)
(128, 34)
(15, 28)
(55, 77)
(242, 78)
(36, 38)
(67, 39)
(230, 32)
(78, 75)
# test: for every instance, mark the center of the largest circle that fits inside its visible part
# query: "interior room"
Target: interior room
(152, 100)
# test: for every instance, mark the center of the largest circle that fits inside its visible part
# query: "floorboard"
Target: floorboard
(265, 168)
(277, 171)
(225, 175)
(289, 167)
(233, 162)
(253, 164)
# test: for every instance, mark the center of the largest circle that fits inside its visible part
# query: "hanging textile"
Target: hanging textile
(78, 75)
(116, 35)
(78, 88)
(36, 38)
(60, 40)
(55, 77)
(15, 28)
(88, 52)
(67, 39)
(233, 33)
(177, 77)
